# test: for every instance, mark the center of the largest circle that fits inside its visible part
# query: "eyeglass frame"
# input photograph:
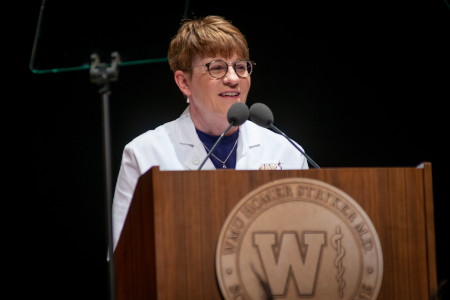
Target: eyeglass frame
(228, 64)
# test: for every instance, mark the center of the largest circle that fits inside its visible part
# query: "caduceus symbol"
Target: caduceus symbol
(336, 243)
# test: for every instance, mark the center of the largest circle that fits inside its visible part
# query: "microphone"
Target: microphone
(237, 115)
(263, 116)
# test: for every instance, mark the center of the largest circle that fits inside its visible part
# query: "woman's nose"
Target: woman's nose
(231, 77)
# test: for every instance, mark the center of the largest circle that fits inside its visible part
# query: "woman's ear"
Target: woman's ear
(181, 78)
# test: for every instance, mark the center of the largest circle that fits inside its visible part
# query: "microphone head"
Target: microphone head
(238, 113)
(261, 115)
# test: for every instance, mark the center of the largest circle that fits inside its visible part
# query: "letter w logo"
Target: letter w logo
(290, 260)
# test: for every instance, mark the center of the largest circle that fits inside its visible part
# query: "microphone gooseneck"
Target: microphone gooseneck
(261, 115)
(237, 115)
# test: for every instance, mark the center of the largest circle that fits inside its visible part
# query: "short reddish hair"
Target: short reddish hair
(210, 36)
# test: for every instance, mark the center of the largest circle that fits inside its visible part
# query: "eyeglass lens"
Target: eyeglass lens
(218, 69)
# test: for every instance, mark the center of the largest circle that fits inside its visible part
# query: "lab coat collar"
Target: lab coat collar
(188, 136)
(249, 139)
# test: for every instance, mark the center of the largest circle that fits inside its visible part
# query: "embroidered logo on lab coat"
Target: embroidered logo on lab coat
(273, 166)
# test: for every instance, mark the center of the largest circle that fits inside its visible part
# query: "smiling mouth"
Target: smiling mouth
(231, 94)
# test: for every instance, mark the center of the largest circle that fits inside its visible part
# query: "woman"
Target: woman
(210, 61)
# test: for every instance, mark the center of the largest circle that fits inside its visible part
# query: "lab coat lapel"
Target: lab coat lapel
(188, 136)
(248, 140)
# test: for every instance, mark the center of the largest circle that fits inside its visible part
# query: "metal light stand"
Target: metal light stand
(102, 75)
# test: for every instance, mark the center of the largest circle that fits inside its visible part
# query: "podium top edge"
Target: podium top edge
(419, 166)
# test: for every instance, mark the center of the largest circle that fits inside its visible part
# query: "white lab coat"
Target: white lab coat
(176, 146)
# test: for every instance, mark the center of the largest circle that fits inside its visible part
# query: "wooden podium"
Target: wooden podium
(168, 243)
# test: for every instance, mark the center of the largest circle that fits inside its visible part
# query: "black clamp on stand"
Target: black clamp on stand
(102, 75)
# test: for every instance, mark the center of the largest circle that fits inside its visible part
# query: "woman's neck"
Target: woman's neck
(211, 123)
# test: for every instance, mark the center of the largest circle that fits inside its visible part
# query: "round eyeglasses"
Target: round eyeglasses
(218, 68)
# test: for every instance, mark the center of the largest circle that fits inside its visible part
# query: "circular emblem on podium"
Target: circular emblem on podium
(296, 238)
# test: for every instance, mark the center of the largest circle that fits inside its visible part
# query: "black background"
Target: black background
(357, 84)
